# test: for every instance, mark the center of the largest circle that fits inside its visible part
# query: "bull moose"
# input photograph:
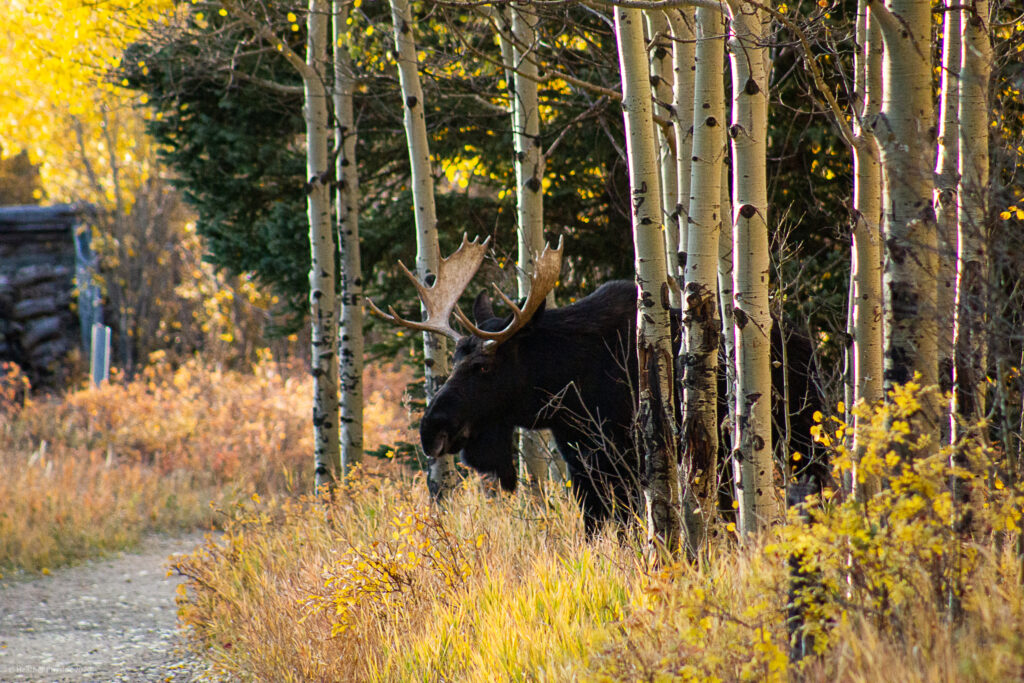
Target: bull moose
(572, 370)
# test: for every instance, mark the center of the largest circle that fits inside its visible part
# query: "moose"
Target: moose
(572, 370)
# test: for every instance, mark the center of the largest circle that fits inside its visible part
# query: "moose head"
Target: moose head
(490, 389)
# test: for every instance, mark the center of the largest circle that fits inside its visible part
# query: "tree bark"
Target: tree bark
(866, 257)
(661, 79)
(904, 129)
(529, 164)
(970, 343)
(701, 322)
(760, 503)
(656, 421)
(441, 476)
(350, 347)
(322, 282)
(945, 199)
(683, 67)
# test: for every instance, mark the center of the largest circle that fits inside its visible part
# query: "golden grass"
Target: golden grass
(94, 470)
(382, 586)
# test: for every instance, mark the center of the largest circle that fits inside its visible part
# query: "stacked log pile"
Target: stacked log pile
(37, 325)
(41, 257)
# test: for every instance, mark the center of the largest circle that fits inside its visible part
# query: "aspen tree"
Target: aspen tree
(904, 129)
(529, 165)
(350, 347)
(681, 22)
(322, 282)
(754, 466)
(661, 80)
(322, 274)
(701, 323)
(970, 347)
(866, 281)
(442, 476)
(654, 347)
(946, 180)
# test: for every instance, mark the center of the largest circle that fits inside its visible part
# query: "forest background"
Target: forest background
(186, 135)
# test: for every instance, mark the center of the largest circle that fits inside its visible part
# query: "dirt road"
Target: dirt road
(110, 620)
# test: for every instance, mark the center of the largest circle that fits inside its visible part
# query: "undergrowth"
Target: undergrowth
(378, 585)
(94, 470)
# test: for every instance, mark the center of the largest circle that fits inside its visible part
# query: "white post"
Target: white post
(99, 366)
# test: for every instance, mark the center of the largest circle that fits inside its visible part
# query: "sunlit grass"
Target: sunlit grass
(96, 469)
(381, 585)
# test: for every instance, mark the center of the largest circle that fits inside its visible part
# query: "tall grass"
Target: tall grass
(99, 467)
(382, 586)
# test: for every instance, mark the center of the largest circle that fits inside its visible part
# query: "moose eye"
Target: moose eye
(482, 367)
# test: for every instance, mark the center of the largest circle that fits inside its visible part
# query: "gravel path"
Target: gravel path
(109, 620)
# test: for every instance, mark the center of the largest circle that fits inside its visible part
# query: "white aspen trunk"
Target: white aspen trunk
(654, 335)
(725, 296)
(760, 502)
(661, 80)
(529, 164)
(906, 138)
(701, 322)
(946, 179)
(442, 476)
(683, 67)
(322, 293)
(347, 212)
(866, 290)
(970, 344)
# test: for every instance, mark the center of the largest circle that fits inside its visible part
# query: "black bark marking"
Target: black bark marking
(740, 318)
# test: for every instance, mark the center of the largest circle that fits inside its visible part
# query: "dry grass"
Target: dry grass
(381, 587)
(95, 470)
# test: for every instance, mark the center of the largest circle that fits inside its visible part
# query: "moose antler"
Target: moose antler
(453, 274)
(546, 269)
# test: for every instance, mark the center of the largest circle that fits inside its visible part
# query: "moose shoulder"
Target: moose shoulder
(572, 370)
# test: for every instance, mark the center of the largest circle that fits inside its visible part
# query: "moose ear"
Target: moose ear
(483, 309)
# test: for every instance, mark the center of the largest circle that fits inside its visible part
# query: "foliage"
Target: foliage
(505, 588)
(95, 471)
(84, 135)
(220, 128)
(912, 548)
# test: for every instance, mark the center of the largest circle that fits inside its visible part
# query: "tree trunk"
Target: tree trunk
(661, 73)
(946, 181)
(725, 299)
(442, 476)
(866, 257)
(347, 212)
(322, 293)
(972, 221)
(701, 322)
(760, 503)
(656, 438)
(683, 55)
(906, 137)
(529, 163)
